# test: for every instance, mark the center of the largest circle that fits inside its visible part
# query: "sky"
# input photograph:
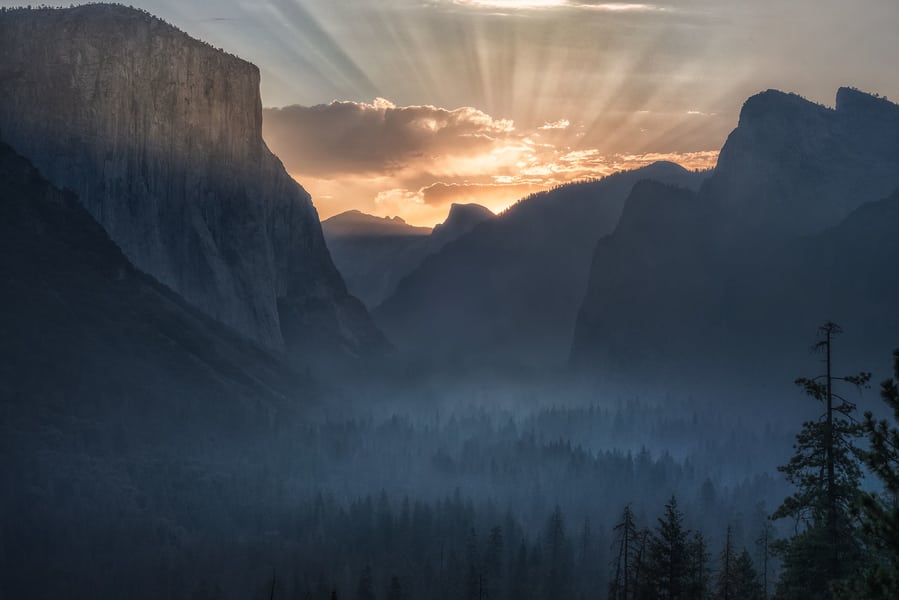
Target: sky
(401, 107)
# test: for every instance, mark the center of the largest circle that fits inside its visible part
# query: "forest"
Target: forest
(618, 500)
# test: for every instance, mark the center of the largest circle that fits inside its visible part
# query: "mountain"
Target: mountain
(509, 290)
(462, 218)
(354, 223)
(83, 332)
(159, 137)
(793, 167)
(791, 230)
(374, 253)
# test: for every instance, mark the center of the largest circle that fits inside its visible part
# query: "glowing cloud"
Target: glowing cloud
(413, 161)
(560, 124)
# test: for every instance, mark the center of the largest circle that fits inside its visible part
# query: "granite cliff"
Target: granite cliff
(793, 167)
(795, 227)
(159, 136)
(82, 330)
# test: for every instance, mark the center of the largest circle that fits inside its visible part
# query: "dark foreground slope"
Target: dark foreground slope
(80, 326)
(160, 137)
(509, 290)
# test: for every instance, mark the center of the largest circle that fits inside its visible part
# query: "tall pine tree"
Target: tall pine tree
(626, 553)
(826, 472)
(668, 572)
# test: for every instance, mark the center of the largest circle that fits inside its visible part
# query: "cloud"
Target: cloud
(557, 4)
(377, 137)
(560, 124)
(413, 161)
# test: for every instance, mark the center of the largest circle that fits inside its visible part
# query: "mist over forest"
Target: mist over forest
(664, 383)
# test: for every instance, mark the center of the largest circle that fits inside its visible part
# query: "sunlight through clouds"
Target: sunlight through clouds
(414, 161)
(553, 89)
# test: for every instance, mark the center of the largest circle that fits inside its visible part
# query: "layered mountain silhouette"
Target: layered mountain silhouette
(80, 326)
(509, 290)
(159, 137)
(791, 230)
(374, 253)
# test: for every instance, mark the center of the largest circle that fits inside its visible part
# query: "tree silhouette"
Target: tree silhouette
(880, 511)
(726, 586)
(668, 571)
(558, 557)
(626, 550)
(698, 557)
(825, 470)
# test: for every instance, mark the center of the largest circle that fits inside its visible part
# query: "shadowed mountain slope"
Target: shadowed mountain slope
(82, 330)
(509, 290)
(790, 231)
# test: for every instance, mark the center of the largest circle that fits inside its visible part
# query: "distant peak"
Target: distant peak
(777, 103)
(356, 222)
(462, 218)
(469, 210)
(854, 101)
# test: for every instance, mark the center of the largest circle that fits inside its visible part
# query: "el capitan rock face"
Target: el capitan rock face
(159, 136)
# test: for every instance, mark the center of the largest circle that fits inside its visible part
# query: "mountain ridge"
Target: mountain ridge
(509, 290)
(735, 287)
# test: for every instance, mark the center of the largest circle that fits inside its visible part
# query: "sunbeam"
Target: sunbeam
(628, 79)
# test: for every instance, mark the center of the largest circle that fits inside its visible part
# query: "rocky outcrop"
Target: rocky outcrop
(159, 136)
(461, 219)
(793, 167)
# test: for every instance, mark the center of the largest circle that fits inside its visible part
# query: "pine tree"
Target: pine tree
(698, 558)
(519, 583)
(493, 562)
(746, 580)
(826, 472)
(474, 579)
(558, 557)
(880, 511)
(625, 549)
(726, 586)
(668, 569)
(763, 545)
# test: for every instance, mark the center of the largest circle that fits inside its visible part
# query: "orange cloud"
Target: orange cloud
(415, 161)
